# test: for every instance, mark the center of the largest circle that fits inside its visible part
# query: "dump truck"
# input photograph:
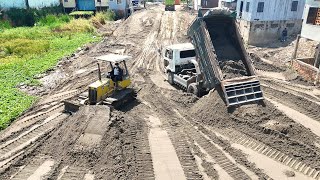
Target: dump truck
(222, 58)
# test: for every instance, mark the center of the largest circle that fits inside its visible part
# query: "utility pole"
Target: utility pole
(27, 4)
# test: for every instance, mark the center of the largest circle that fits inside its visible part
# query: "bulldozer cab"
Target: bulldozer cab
(112, 60)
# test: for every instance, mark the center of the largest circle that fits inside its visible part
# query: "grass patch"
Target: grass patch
(28, 51)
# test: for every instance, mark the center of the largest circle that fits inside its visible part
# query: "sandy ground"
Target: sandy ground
(166, 133)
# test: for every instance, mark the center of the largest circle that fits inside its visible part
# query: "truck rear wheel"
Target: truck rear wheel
(193, 89)
(170, 78)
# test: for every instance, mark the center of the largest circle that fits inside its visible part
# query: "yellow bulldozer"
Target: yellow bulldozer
(108, 90)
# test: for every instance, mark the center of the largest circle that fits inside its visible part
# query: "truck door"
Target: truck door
(168, 60)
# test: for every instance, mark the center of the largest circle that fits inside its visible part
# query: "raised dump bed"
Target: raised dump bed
(222, 57)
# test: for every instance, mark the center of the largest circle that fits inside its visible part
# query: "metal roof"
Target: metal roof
(114, 58)
(184, 46)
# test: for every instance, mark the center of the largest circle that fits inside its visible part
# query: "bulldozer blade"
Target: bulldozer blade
(120, 98)
(70, 107)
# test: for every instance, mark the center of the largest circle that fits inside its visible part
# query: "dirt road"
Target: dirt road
(165, 133)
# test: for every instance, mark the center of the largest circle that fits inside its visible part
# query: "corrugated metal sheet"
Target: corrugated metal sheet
(86, 5)
(12, 3)
(273, 10)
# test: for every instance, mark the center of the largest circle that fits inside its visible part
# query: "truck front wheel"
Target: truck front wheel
(193, 89)
(170, 78)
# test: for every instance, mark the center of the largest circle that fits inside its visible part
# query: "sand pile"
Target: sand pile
(232, 69)
(259, 64)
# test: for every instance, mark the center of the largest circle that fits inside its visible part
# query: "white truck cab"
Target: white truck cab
(178, 54)
(181, 66)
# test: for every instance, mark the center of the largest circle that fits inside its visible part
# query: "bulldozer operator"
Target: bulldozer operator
(116, 75)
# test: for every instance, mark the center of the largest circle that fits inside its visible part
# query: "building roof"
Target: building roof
(114, 58)
(184, 46)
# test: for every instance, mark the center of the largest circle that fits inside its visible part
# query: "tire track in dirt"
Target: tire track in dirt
(40, 168)
(15, 146)
(299, 103)
(177, 129)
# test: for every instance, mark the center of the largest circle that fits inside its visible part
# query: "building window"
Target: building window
(248, 7)
(313, 16)
(119, 1)
(260, 7)
(65, 0)
(99, 1)
(294, 6)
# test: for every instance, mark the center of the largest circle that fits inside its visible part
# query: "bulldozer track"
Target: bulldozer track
(26, 139)
(60, 97)
(206, 143)
(26, 171)
(185, 155)
(306, 93)
(144, 166)
(73, 173)
(187, 159)
(302, 109)
(270, 152)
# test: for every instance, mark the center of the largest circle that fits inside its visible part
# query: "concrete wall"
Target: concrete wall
(6, 4)
(196, 4)
(43, 3)
(273, 10)
(308, 30)
(69, 4)
(103, 3)
(264, 32)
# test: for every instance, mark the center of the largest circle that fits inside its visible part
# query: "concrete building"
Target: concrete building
(311, 22)
(262, 21)
(85, 5)
(7, 4)
(231, 4)
(205, 4)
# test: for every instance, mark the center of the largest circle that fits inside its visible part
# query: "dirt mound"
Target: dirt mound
(253, 120)
(232, 69)
(260, 64)
(96, 142)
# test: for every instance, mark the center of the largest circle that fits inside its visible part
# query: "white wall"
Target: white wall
(69, 4)
(43, 3)
(12, 3)
(273, 10)
(103, 3)
(32, 3)
(308, 30)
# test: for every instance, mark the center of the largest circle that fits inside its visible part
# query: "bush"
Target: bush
(53, 20)
(102, 17)
(77, 25)
(4, 25)
(28, 17)
(22, 47)
(21, 17)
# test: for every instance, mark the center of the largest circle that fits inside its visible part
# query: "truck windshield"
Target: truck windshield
(187, 54)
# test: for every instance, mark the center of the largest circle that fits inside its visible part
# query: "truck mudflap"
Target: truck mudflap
(241, 90)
